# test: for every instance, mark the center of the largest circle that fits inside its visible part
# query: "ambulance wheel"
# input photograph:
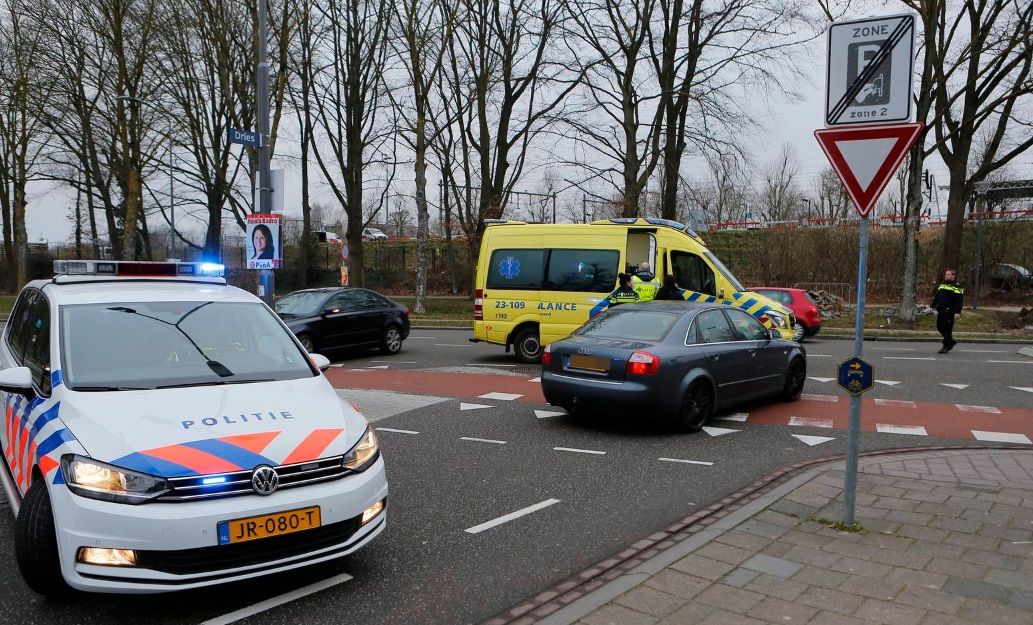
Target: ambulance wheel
(528, 345)
(307, 343)
(392, 343)
(35, 542)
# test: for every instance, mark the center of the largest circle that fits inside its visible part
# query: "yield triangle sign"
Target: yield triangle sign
(866, 157)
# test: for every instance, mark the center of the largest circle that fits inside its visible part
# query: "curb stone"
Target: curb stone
(584, 592)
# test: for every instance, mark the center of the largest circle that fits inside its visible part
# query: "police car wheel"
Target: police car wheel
(795, 379)
(697, 407)
(35, 542)
(528, 345)
(307, 343)
(392, 343)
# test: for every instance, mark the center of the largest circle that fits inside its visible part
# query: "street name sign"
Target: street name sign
(856, 376)
(244, 137)
(869, 70)
(865, 158)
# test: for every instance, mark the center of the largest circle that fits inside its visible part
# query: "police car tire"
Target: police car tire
(35, 543)
(524, 337)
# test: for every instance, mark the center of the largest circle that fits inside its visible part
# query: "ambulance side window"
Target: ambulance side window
(693, 273)
(37, 343)
(516, 269)
(583, 271)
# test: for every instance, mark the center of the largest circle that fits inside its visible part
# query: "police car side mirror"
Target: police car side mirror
(320, 361)
(16, 380)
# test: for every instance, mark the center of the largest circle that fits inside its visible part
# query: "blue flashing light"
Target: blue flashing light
(212, 269)
(208, 481)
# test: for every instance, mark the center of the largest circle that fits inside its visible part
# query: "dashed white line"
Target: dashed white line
(580, 451)
(1001, 437)
(422, 337)
(959, 387)
(396, 431)
(380, 367)
(1014, 362)
(982, 409)
(888, 428)
(810, 422)
(1028, 389)
(273, 602)
(819, 355)
(899, 403)
(487, 364)
(983, 351)
(908, 358)
(482, 440)
(893, 349)
(487, 525)
(501, 396)
(699, 462)
(453, 345)
(398, 362)
(465, 406)
(828, 398)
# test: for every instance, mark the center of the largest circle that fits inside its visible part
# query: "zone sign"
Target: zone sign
(870, 64)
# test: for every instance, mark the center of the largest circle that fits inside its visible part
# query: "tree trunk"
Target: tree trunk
(950, 257)
(422, 213)
(911, 222)
(130, 224)
(21, 237)
(213, 233)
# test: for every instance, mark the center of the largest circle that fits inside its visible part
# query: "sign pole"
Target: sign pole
(854, 426)
(266, 277)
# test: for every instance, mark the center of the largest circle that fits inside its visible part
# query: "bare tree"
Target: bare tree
(350, 99)
(424, 31)
(830, 197)
(616, 113)
(721, 197)
(984, 99)
(779, 193)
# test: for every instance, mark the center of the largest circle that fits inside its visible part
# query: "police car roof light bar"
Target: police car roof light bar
(137, 269)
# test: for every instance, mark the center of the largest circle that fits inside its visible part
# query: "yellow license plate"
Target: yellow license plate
(277, 524)
(591, 363)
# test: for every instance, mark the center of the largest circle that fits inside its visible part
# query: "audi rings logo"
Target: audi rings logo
(584, 351)
(264, 480)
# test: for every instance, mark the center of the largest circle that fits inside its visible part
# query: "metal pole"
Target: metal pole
(172, 196)
(979, 254)
(266, 277)
(854, 427)
(553, 208)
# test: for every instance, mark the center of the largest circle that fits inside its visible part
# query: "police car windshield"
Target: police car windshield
(632, 324)
(726, 272)
(302, 303)
(150, 345)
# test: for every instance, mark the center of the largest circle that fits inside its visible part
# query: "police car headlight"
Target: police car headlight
(98, 480)
(364, 453)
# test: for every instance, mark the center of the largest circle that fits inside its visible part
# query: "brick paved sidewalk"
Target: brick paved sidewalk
(949, 541)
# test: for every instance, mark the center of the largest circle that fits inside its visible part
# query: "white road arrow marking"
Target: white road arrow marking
(735, 416)
(535, 380)
(463, 406)
(813, 440)
(719, 431)
(545, 414)
(501, 396)
(960, 387)
(820, 379)
(888, 382)
(1028, 389)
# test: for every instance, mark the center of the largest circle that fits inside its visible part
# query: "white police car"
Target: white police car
(163, 431)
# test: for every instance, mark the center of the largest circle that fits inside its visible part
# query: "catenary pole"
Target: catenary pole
(266, 277)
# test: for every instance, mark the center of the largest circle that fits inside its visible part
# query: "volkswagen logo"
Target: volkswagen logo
(264, 480)
(584, 351)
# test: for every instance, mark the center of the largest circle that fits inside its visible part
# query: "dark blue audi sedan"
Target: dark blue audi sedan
(677, 360)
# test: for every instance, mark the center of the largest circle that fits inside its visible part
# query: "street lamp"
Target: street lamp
(171, 252)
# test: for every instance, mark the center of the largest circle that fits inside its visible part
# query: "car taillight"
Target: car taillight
(405, 311)
(547, 356)
(478, 305)
(643, 363)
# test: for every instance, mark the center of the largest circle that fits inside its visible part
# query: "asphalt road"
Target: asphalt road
(427, 568)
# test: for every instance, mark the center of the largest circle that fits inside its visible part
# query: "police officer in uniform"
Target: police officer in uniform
(645, 283)
(624, 293)
(948, 301)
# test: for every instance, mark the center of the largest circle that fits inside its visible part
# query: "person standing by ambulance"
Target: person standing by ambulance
(645, 283)
(948, 300)
(624, 293)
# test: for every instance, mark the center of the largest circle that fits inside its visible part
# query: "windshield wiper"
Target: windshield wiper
(112, 388)
(214, 383)
(217, 367)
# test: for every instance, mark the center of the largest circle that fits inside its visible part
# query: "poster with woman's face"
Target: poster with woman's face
(263, 245)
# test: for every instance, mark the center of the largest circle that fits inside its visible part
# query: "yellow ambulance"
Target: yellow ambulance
(537, 283)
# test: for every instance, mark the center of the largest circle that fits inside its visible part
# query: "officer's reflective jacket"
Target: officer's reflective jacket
(949, 298)
(646, 285)
(623, 296)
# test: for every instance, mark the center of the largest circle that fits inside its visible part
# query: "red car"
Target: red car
(808, 320)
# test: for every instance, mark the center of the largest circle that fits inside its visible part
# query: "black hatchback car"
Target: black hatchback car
(331, 318)
(678, 360)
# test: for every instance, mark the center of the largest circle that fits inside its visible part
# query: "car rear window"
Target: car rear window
(636, 325)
